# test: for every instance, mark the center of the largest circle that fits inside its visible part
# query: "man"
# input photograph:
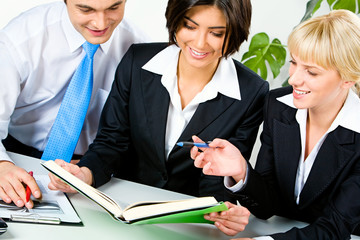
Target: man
(40, 51)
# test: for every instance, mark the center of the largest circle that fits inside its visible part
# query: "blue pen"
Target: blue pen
(192, 144)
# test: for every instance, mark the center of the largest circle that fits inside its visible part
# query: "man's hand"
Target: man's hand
(13, 181)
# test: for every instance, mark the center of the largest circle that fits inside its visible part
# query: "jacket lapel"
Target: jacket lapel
(329, 162)
(287, 150)
(204, 115)
(156, 102)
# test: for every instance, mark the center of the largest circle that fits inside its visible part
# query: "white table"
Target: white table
(97, 224)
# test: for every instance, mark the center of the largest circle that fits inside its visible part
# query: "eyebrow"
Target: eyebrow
(308, 66)
(214, 27)
(91, 8)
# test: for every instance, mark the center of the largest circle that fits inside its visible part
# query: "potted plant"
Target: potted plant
(263, 54)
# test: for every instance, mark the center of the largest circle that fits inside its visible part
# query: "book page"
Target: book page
(85, 189)
(53, 204)
(145, 210)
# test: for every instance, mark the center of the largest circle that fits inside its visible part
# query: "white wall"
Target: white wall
(275, 17)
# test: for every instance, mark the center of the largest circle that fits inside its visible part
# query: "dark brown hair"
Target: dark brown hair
(236, 12)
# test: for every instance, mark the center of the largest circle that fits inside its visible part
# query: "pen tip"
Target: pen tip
(180, 144)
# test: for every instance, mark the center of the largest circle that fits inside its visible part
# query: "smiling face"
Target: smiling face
(315, 87)
(201, 37)
(95, 20)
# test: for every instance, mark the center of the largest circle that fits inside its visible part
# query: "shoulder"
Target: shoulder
(251, 84)
(279, 92)
(274, 94)
(143, 52)
(149, 48)
(248, 76)
(131, 31)
(275, 106)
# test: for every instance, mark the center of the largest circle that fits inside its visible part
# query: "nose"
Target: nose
(296, 77)
(200, 40)
(100, 21)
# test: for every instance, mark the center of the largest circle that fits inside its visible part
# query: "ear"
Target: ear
(347, 84)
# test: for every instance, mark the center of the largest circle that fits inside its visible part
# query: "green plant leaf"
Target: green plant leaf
(344, 4)
(311, 7)
(262, 51)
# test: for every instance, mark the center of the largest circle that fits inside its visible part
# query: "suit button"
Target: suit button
(164, 177)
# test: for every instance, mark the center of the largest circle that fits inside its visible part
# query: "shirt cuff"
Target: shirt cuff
(230, 183)
(3, 154)
(263, 238)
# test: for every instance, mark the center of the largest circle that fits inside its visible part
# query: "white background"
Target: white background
(275, 17)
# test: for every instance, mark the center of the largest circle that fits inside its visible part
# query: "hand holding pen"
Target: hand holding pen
(221, 158)
(13, 182)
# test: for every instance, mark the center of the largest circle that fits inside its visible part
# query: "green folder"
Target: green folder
(195, 216)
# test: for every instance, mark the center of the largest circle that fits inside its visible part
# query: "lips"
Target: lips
(198, 55)
(299, 92)
(98, 33)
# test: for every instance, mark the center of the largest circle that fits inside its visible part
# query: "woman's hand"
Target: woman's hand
(82, 173)
(231, 221)
(221, 159)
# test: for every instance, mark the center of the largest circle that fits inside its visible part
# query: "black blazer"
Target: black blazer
(330, 199)
(131, 139)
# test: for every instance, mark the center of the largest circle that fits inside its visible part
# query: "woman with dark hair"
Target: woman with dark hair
(165, 93)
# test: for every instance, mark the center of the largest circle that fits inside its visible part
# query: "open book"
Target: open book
(178, 211)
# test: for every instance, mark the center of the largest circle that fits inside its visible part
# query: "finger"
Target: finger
(207, 169)
(218, 143)
(60, 162)
(29, 181)
(196, 139)
(224, 229)
(4, 196)
(194, 152)
(13, 194)
(198, 162)
(56, 183)
(29, 204)
(75, 161)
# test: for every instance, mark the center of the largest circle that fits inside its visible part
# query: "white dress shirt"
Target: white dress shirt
(40, 51)
(348, 118)
(224, 81)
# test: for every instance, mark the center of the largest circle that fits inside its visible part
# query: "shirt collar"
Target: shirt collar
(74, 38)
(347, 117)
(224, 80)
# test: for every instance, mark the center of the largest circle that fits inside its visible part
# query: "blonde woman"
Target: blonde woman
(308, 167)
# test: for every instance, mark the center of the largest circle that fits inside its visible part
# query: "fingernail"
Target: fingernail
(37, 194)
(28, 204)
(19, 203)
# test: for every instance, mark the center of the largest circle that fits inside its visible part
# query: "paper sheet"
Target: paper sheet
(53, 204)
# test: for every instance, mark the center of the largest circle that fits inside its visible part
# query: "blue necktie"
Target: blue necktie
(66, 130)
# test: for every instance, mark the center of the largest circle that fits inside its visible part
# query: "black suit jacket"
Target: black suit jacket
(131, 139)
(330, 198)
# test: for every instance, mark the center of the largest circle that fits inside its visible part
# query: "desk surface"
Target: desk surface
(97, 224)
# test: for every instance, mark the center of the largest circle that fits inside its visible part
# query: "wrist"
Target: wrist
(88, 176)
(242, 173)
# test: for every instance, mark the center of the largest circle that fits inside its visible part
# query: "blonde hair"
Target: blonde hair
(332, 41)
